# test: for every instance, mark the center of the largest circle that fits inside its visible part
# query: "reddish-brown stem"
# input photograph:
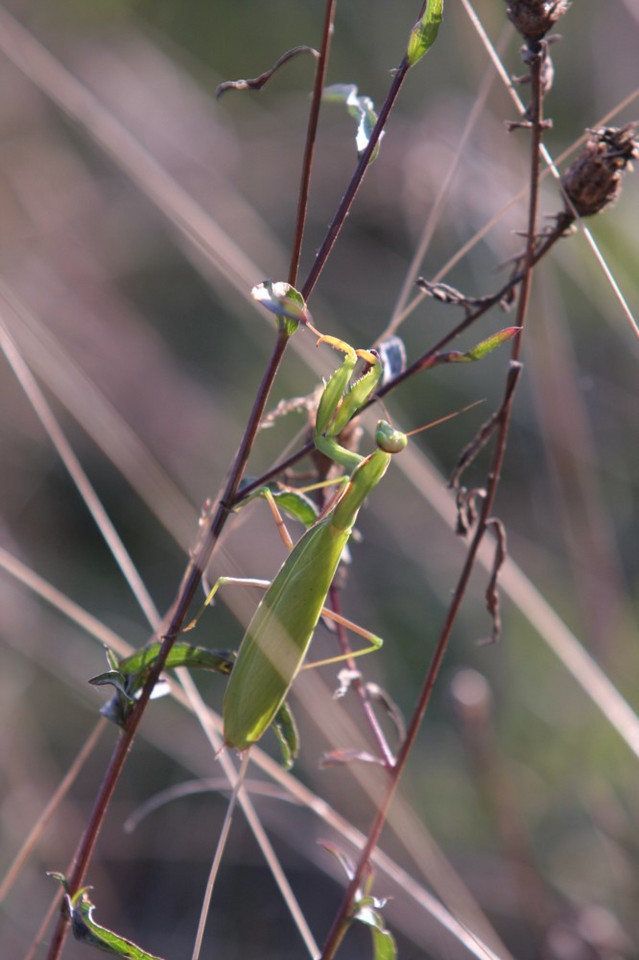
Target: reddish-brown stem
(355, 182)
(309, 149)
(340, 924)
(360, 688)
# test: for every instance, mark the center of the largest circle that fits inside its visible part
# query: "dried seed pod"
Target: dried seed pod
(534, 18)
(593, 181)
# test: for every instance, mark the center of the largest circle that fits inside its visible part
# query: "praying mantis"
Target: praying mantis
(279, 634)
(274, 647)
(276, 641)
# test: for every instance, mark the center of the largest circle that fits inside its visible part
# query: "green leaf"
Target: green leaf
(293, 503)
(384, 946)
(361, 108)
(86, 930)
(112, 658)
(485, 347)
(60, 877)
(285, 730)
(297, 505)
(285, 302)
(424, 33)
(366, 909)
(113, 677)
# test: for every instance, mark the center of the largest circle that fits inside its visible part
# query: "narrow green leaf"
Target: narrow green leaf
(112, 658)
(485, 347)
(366, 909)
(361, 108)
(60, 877)
(384, 946)
(293, 503)
(80, 911)
(284, 301)
(424, 33)
(86, 930)
(113, 677)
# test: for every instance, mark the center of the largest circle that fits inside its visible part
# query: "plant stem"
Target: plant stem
(360, 688)
(355, 182)
(311, 134)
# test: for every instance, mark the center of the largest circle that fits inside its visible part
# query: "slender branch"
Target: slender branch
(429, 359)
(311, 134)
(359, 687)
(355, 182)
(214, 525)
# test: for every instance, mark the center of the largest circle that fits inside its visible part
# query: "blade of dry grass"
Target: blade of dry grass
(51, 809)
(437, 210)
(48, 358)
(78, 475)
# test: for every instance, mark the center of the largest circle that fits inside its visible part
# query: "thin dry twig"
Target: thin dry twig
(258, 82)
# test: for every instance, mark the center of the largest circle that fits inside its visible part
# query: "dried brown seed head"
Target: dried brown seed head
(593, 181)
(534, 18)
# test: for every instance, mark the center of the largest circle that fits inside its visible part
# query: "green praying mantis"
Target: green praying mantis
(277, 639)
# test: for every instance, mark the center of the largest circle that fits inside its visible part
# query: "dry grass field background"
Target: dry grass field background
(137, 213)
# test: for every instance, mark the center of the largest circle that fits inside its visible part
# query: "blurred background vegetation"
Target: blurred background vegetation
(130, 239)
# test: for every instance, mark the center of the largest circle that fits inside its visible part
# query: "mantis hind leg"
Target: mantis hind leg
(375, 642)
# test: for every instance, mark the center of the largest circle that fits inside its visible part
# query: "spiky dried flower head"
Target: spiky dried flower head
(593, 181)
(534, 18)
